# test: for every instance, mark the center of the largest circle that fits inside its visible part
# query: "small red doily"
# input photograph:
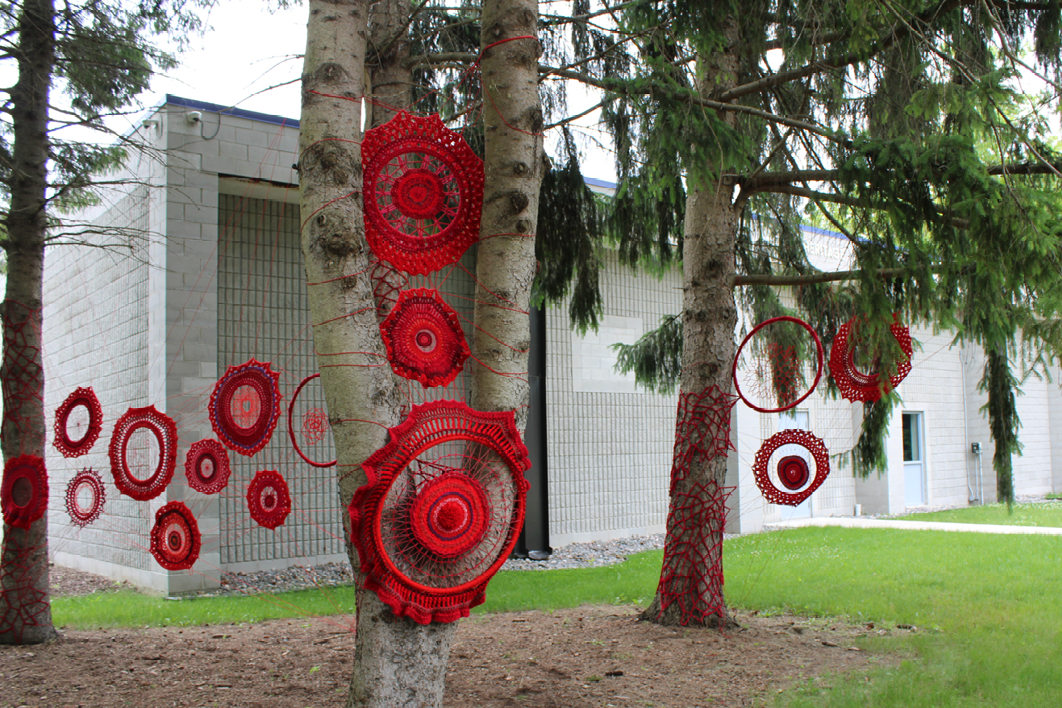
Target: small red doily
(424, 193)
(424, 338)
(24, 491)
(856, 385)
(791, 471)
(207, 466)
(86, 432)
(84, 497)
(268, 499)
(771, 381)
(450, 514)
(175, 539)
(165, 431)
(245, 406)
(314, 426)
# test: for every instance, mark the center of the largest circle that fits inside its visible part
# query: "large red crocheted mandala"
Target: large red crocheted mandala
(123, 460)
(424, 193)
(175, 538)
(245, 406)
(859, 385)
(782, 466)
(441, 511)
(77, 423)
(24, 491)
(424, 339)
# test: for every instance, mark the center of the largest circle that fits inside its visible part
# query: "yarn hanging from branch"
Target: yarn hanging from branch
(24, 491)
(866, 384)
(245, 406)
(784, 463)
(175, 538)
(134, 475)
(424, 339)
(76, 431)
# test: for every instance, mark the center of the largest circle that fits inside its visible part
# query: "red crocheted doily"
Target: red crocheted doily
(424, 338)
(314, 426)
(424, 193)
(788, 481)
(268, 499)
(207, 466)
(856, 385)
(86, 427)
(84, 497)
(24, 491)
(772, 378)
(165, 433)
(245, 406)
(442, 509)
(175, 539)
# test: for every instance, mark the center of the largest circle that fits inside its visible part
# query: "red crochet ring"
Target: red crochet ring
(84, 497)
(442, 510)
(792, 400)
(24, 491)
(89, 429)
(314, 426)
(424, 339)
(206, 466)
(856, 385)
(165, 431)
(175, 539)
(245, 406)
(792, 470)
(424, 193)
(268, 499)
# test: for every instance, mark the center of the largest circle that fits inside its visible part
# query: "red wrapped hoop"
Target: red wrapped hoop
(268, 499)
(794, 480)
(424, 339)
(206, 466)
(24, 491)
(175, 538)
(76, 447)
(86, 483)
(314, 426)
(245, 406)
(786, 405)
(856, 385)
(165, 431)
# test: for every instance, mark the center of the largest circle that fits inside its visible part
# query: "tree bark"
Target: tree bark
(25, 610)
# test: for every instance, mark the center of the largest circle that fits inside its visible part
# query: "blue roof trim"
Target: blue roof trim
(230, 111)
(600, 183)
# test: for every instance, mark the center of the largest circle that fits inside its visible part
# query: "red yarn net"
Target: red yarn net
(77, 423)
(175, 539)
(313, 429)
(424, 339)
(143, 452)
(783, 466)
(84, 497)
(768, 367)
(442, 510)
(702, 432)
(206, 466)
(866, 385)
(23, 371)
(24, 491)
(24, 600)
(424, 193)
(268, 499)
(245, 406)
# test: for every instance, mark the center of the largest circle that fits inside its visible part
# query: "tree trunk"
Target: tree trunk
(25, 610)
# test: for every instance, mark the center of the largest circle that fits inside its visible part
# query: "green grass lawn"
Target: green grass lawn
(1019, 515)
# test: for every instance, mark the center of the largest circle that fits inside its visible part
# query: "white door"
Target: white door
(795, 420)
(914, 469)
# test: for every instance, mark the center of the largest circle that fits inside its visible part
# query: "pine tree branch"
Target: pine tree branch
(831, 277)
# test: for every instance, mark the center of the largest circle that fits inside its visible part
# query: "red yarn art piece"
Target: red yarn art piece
(424, 338)
(698, 415)
(772, 378)
(268, 499)
(787, 480)
(206, 466)
(84, 497)
(245, 406)
(856, 385)
(175, 539)
(24, 491)
(314, 426)
(424, 193)
(87, 431)
(442, 510)
(165, 432)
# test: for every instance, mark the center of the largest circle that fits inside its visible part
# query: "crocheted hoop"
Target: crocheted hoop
(776, 375)
(84, 497)
(206, 466)
(788, 481)
(424, 338)
(856, 385)
(315, 426)
(268, 499)
(175, 539)
(442, 510)
(89, 430)
(165, 431)
(424, 193)
(245, 406)
(24, 491)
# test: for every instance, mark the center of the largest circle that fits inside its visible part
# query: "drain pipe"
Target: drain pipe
(976, 447)
(966, 431)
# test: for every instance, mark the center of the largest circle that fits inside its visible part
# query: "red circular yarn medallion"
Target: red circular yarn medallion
(424, 339)
(450, 514)
(268, 499)
(84, 497)
(245, 406)
(165, 432)
(175, 538)
(419, 193)
(792, 469)
(66, 444)
(206, 466)
(793, 472)
(24, 491)
(314, 426)
(856, 385)
(792, 397)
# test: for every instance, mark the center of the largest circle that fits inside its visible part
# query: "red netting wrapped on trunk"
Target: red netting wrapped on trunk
(206, 466)
(703, 430)
(859, 385)
(423, 193)
(768, 373)
(424, 338)
(175, 539)
(442, 510)
(783, 466)
(77, 423)
(268, 499)
(245, 406)
(24, 491)
(131, 454)
(84, 497)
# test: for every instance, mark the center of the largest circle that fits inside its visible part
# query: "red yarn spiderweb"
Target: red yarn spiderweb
(77, 423)
(768, 374)
(140, 437)
(856, 384)
(245, 406)
(85, 495)
(24, 491)
(424, 193)
(442, 510)
(703, 430)
(315, 425)
(175, 539)
(424, 339)
(782, 466)
(268, 499)
(206, 466)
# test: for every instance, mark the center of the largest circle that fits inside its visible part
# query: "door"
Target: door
(914, 469)
(795, 420)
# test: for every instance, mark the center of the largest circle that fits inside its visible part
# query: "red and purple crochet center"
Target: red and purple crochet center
(206, 466)
(424, 339)
(856, 385)
(268, 499)
(84, 497)
(175, 539)
(85, 425)
(24, 491)
(773, 379)
(442, 509)
(164, 431)
(245, 406)
(787, 479)
(424, 193)
(314, 426)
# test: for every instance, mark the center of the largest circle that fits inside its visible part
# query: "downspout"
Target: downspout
(970, 499)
